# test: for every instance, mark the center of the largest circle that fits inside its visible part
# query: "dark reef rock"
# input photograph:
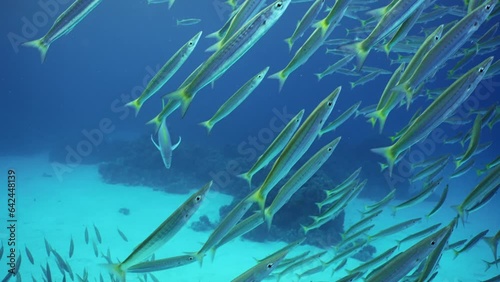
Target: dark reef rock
(138, 163)
(124, 211)
(365, 254)
(203, 224)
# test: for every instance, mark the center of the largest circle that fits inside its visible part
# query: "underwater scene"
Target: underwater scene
(250, 140)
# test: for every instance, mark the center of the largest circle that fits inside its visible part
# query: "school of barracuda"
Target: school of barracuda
(381, 29)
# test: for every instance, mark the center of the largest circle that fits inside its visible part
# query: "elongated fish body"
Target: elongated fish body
(399, 266)
(223, 228)
(366, 78)
(296, 147)
(299, 178)
(166, 72)
(230, 52)
(161, 264)
(340, 120)
(474, 141)
(165, 144)
(323, 29)
(373, 262)
(387, 24)
(481, 190)
(64, 24)
(243, 227)
(335, 67)
(439, 203)
(245, 11)
(433, 259)
(387, 96)
(472, 242)
(235, 100)
(442, 108)
(395, 228)
(275, 148)
(360, 224)
(305, 22)
(429, 42)
(260, 271)
(405, 27)
(420, 197)
(170, 2)
(447, 46)
(419, 234)
(164, 232)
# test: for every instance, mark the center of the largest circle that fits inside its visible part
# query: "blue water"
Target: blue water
(91, 72)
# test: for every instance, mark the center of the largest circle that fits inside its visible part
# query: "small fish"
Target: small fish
(165, 145)
(470, 243)
(305, 22)
(492, 242)
(426, 269)
(373, 262)
(122, 235)
(339, 120)
(438, 111)
(163, 76)
(235, 100)
(296, 147)
(98, 234)
(229, 53)
(451, 41)
(162, 264)
(30, 256)
(298, 179)
(188, 21)
(399, 266)
(71, 247)
(162, 233)
(275, 148)
(63, 24)
(96, 250)
(243, 227)
(323, 29)
(474, 141)
(245, 12)
(86, 235)
(395, 228)
(439, 203)
(418, 234)
(420, 197)
(455, 245)
(479, 192)
(48, 248)
(489, 264)
(263, 268)
(389, 22)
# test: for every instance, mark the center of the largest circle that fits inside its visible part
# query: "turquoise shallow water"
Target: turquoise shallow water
(58, 211)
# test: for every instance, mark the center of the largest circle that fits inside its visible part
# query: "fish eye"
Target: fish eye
(476, 23)
(264, 22)
(481, 69)
(436, 38)
(198, 198)
(330, 149)
(278, 5)
(433, 243)
(190, 258)
(190, 43)
(487, 7)
(269, 265)
(330, 103)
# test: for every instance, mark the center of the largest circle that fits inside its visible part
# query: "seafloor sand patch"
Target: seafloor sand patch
(48, 208)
